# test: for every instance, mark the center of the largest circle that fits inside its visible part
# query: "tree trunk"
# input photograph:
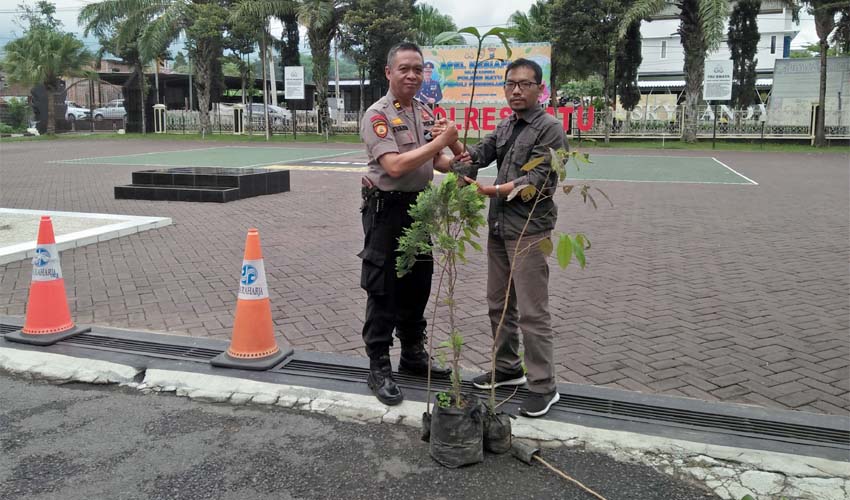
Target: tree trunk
(320, 47)
(140, 74)
(820, 125)
(204, 56)
(362, 75)
(824, 23)
(51, 112)
(694, 69)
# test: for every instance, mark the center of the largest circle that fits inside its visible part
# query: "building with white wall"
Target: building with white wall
(663, 55)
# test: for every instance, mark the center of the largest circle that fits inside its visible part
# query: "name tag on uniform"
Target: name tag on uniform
(400, 128)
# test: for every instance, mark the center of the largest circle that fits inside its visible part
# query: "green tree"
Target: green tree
(180, 64)
(428, 23)
(291, 38)
(322, 18)
(743, 39)
(626, 66)
(38, 16)
(160, 22)
(42, 56)
(120, 38)
(701, 26)
(585, 39)
(534, 26)
(825, 12)
(370, 28)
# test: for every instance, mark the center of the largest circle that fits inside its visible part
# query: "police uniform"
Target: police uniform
(393, 303)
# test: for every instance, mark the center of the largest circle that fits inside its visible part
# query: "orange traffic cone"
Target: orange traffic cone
(253, 346)
(48, 318)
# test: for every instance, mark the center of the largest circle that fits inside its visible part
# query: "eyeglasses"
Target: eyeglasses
(525, 85)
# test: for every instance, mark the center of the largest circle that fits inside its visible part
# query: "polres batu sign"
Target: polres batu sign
(486, 118)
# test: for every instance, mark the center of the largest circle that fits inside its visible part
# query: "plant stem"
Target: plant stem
(472, 94)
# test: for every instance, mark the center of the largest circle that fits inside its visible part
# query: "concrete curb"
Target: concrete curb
(730, 472)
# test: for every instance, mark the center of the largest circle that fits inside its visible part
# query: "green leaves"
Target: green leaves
(572, 245)
(558, 163)
(446, 36)
(578, 248)
(502, 34)
(565, 250)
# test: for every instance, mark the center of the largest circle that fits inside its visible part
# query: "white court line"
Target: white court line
(735, 171)
(278, 162)
(132, 154)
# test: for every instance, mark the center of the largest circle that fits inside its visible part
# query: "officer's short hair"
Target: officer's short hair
(402, 47)
(526, 63)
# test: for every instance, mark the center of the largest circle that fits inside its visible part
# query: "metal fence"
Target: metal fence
(222, 117)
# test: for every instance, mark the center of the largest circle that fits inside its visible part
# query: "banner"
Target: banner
(449, 71)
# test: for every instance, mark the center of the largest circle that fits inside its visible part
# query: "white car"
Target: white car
(114, 110)
(74, 111)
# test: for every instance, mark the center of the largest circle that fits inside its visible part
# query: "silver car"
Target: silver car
(74, 112)
(114, 110)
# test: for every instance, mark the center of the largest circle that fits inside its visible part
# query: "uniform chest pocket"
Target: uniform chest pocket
(405, 140)
(522, 151)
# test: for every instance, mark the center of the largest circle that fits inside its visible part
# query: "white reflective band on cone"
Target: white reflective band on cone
(45, 264)
(252, 282)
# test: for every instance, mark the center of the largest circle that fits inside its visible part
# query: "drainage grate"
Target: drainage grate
(569, 403)
(601, 406)
(4, 329)
(154, 349)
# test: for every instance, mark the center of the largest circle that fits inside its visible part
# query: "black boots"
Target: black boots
(381, 381)
(415, 361)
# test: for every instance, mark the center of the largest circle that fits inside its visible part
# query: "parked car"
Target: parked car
(74, 111)
(277, 115)
(114, 110)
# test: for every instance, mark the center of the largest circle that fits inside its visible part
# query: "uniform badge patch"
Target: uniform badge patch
(380, 128)
(397, 121)
(379, 125)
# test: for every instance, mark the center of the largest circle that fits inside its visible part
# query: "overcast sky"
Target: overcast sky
(463, 12)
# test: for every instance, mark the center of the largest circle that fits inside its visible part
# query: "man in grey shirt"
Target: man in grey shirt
(516, 229)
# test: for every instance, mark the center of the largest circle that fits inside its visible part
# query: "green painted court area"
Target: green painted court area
(671, 169)
(605, 167)
(231, 156)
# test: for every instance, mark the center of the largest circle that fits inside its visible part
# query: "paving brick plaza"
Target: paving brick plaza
(735, 293)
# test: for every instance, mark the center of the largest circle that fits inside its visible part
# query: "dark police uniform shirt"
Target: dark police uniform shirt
(430, 89)
(387, 127)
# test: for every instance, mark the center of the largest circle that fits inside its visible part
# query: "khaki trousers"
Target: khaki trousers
(527, 309)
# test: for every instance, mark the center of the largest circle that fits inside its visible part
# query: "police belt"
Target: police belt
(385, 198)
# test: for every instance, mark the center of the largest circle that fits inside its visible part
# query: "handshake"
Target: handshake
(446, 132)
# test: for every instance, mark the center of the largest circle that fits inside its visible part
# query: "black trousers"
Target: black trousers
(392, 303)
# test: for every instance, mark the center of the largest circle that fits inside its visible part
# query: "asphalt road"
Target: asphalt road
(90, 442)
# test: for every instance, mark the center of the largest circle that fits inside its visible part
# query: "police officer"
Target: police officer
(402, 159)
(430, 92)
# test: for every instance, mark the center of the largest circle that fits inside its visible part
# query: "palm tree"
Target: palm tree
(43, 56)
(155, 24)
(824, 12)
(534, 26)
(115, 38)
(322, 18)
(701, 29)
(428, 23)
